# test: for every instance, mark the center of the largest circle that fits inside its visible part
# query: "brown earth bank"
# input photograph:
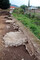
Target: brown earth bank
(15, 53)
(21, 52)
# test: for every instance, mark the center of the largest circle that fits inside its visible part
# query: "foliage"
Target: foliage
(23, 7)
(39, 7)
(38, 17)
(0, 3)
(33, 16)
(18, 10)
(30, 15)
(30, 23)
(4, 4)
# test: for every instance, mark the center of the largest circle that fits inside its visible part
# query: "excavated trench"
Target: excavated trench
(11, 51)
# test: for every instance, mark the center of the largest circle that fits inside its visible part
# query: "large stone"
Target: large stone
(14, 39)
(9, 21)
(8, 18)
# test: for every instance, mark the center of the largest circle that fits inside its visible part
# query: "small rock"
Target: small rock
(22, 59)
(9, 21)
(8, 27)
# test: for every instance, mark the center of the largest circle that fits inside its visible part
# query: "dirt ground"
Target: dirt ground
(13, 53)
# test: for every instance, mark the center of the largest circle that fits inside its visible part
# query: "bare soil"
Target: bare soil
(11, 53)
(15, 53)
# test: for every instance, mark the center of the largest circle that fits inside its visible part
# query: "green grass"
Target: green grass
(29, 23)
(38, 14)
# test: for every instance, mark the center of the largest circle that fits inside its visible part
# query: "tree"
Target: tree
(4, 4)
(0, 3)
(23, 7)
(38, 7)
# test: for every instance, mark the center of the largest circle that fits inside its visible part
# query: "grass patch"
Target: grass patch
(30, 23)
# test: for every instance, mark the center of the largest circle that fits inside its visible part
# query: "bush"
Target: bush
(33, 16)
(18, 10)
(33, 28)
(28, 15)
(23, 7)
(38, 17)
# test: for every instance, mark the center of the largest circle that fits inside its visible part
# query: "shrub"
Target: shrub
(18, 10)
(38, 17)
(33, 16)
(28, 15)
(33, 28)
(23, 7)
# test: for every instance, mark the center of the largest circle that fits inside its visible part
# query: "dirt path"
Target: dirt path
(13, 53)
